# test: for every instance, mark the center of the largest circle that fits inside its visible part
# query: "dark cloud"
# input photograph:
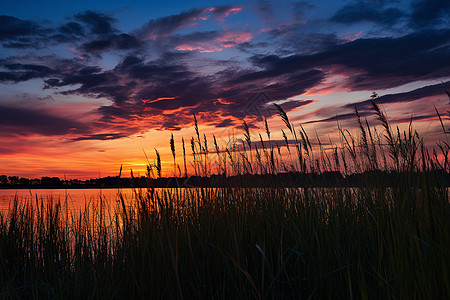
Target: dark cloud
(166, 25)
(341, 117)
(416, 94)
(97, 22)
(90, 70)
(24, 121)
(94, 85)
(367, 12)
(85, 30)
(72, 29)
(316, 42)
(199, 36)
(294, 104)
(87, 81)
(19, 121)
(12, 28)
(226, 123)
(352, 116)
(21, 34)
(98, 45)
(274, 70)
(250, 47)
(129, 61)
(295, 84)
(414, 118)
(20, 45)
(112, 42)
(365, 107)
(296, 38)
(154, 72)
(430, 12)
(100, 136)
(375, 63)
(17, 72)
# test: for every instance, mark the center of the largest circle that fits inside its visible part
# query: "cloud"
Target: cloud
(162, 78)
(416, 94)
(164, 26)
(429, 12)
(94, 33)
(164, 33)
(367, 12)
(162, 94)
(94, 85)
(365, 107)
(100, 136)
(12, 28)
(18, 33)
(97, 22)
(90, 31)
(212, 41)
(294, 104)
(17, 72)
(170, 92)
(22, 34)
(121, 41)
(373, 63)
(23, 121)
(72, 29)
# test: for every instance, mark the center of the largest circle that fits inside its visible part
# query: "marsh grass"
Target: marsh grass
(365, 242)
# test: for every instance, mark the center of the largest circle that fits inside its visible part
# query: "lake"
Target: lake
(76, 199)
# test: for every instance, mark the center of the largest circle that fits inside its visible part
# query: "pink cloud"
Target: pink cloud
(219, 12)
(233, 10)
(227, 40)
(351, 38)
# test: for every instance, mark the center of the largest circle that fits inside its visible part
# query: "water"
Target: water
(76, 199)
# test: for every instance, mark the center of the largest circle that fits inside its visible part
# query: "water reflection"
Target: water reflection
(73, 199)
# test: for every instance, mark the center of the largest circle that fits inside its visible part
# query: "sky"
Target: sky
(88, 86)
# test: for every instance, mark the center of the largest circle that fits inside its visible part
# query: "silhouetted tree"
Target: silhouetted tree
(13, 179)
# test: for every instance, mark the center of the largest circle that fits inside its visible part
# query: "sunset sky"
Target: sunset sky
(86, 86)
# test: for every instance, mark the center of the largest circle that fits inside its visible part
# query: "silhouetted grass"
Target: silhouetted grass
(242, 243)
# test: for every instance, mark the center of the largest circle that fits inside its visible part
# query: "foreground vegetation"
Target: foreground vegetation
(367, 242)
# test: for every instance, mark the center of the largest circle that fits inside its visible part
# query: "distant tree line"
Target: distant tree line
(288, 179)
(56, 182)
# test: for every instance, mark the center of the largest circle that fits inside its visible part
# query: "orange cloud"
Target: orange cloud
(147, 101)
(223, 101)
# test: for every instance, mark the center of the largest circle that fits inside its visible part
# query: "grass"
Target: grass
(368, 242)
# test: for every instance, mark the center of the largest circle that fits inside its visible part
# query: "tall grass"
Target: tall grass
(242, 243)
